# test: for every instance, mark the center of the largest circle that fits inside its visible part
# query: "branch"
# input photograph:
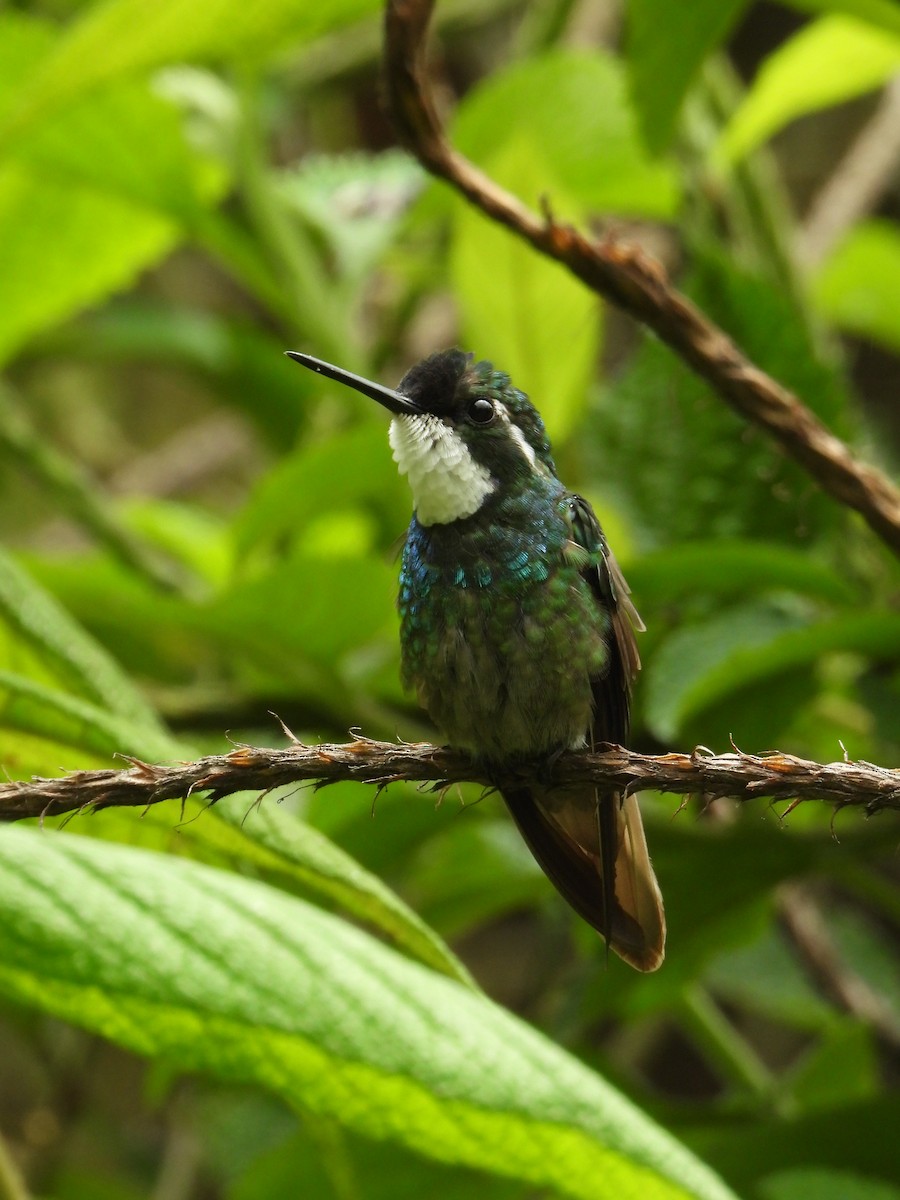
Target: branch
(251, 768)
(858, 182)
(807, 927)
(627, 277)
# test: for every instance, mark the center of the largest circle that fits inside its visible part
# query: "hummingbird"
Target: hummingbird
(517, 629)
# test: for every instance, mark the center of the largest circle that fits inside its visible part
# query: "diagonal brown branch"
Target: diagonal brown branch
(636, 283)
(251, 768)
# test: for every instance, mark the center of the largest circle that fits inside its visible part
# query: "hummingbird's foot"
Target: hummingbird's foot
(547, 766)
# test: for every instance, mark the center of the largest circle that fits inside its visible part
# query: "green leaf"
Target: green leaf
(42, 622)
(66, 720)
(92, 142)
(290, 495)
(478, 871)
(857, 287)
(80, 211)
(218, 974)
(677, 681)
(666, 46)
(66, 248)
(297, 1167)
(524, 305)
(281, 842)
(252, 831)
(765, 977)
(843, 1067)
(733, 568)
(583, 119)
(245, 362)
(883, 13)
(261, 834)
(24, 41)
(659, 416)
(828, 61)
(804, 1182)
(700, 665)
(857, 1138)
(115, 38)
(356, 201)
(310, 608)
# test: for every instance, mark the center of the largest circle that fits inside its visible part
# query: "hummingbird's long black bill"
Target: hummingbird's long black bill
(395, 402)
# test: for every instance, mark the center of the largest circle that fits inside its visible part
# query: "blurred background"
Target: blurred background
(188, 190)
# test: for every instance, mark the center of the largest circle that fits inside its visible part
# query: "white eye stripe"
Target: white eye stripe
(519, 436)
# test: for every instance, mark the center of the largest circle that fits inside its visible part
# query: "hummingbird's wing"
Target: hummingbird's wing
(590, 844)
(629, 883)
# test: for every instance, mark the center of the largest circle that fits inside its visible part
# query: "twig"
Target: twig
(251, 768)
(200, 451)
(629, 278)
(858, 181)
(807, 928)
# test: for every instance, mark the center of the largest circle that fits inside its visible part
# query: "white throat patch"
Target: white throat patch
(447, 483)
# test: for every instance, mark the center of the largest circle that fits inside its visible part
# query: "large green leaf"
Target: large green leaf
(80, 211)
(520, 308)
(116, 38)
(93, 140)
(261, 834)
(66, 248)
(223, 975)
(831, 60)
(582, 129)
(283, 845)
(666, 46)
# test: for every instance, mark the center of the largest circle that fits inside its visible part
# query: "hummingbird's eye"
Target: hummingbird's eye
(481, 412)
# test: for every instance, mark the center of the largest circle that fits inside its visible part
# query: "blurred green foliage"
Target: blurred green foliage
(198, 535)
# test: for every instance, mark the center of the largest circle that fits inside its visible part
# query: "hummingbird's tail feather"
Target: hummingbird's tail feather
(592, 849)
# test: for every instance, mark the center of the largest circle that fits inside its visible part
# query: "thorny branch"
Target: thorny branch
(636, 283)
(251, 768)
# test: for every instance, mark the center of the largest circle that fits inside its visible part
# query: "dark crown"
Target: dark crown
(436, 383)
